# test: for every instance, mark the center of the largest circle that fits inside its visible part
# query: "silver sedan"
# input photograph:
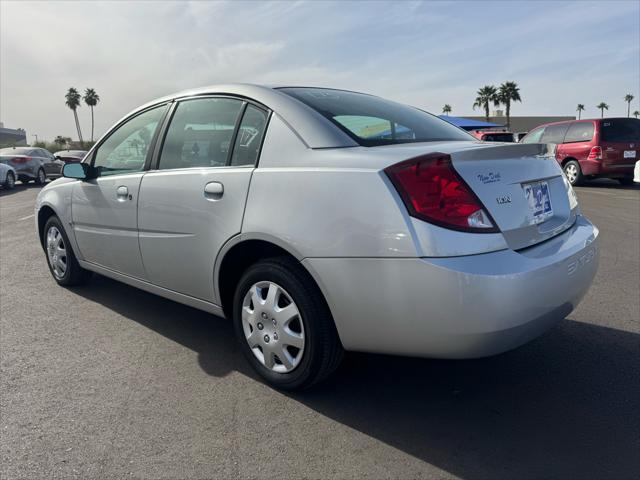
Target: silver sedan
(322, 220)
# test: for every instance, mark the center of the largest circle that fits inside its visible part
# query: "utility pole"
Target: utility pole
(35, 135)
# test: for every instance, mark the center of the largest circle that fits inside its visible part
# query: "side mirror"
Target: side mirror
(80, 171)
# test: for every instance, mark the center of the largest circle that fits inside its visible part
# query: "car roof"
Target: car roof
(313, 129)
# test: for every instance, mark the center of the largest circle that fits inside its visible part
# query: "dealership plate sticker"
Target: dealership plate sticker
(539, 200)
(629, 154)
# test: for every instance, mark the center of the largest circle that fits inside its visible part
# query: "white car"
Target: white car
(7, 176)
(322, 220)
(636, 172)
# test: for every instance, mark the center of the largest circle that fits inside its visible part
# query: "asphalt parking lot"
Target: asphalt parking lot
(107, 381)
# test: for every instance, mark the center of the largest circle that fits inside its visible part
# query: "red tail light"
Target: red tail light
(433, 191)
(595, 153)
(19, 160)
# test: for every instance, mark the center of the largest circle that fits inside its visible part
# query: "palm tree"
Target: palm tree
(446, 110)
(636, 114)
(579, 109)
(486, 95)
(73, 102)
(602, 106)
(60, 140)
(507, 93)
(628, 98)
(91, 98)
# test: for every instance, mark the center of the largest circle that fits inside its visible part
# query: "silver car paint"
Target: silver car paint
(327, 202)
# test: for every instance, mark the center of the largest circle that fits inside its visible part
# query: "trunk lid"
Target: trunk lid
(523, 189)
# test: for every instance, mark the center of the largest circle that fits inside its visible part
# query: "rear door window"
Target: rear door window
(249, 138)
(554, 133)
(579, 132)
(620, 130)
(200, 133)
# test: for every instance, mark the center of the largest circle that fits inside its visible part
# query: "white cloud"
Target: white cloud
(426, 54)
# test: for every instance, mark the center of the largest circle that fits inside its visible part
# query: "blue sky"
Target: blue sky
(422, 53)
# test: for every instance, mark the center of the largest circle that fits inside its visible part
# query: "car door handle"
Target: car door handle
(122, 192)
(213, 190)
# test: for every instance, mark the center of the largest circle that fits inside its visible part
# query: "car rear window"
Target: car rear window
(620, 130)
(373, 121)
(498, 137)
(579, 132)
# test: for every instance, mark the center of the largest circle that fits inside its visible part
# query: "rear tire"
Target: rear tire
(573, 172)
(62, 262)
(10, 181)
(41, 177)
(307, 337)
(626, 181)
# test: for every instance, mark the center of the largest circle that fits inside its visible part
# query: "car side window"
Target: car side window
(200, 133)
(554, 133)
(533, 136)
(126, 148)
(579, 132)
(250, 135)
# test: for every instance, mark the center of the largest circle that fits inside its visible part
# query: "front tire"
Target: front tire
(573, 172)
(63, 264)
(41, 177)
(284, 325)
(10, 181)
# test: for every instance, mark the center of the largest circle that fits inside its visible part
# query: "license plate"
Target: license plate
(629, 154)
(539, 200)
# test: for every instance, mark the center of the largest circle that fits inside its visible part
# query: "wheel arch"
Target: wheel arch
(567, 160)
(238, 254)
(44, 213)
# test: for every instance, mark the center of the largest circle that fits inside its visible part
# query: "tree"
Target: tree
(580, 109)
(628, 98)
(602, 107)
(636, 114)
(486, 95)
(61, 141)
(73, 102)
(446, 110)
(507, 93)
(91, 98)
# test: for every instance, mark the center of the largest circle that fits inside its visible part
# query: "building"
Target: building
(520, 124)
(10, 137)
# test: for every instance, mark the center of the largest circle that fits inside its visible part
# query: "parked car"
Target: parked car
(593, 148)
(7, 176)
(293, 213)
(636, 172)
(493, 135)
(32, 164)
(70, 156)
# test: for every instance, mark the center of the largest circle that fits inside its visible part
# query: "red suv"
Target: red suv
(607, 147)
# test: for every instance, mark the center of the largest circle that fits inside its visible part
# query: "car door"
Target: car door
(52, 166)
(577, 141)
(193, 202)
(104, 209)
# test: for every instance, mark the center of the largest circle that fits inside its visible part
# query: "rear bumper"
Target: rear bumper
(598, 167)
(458, 307)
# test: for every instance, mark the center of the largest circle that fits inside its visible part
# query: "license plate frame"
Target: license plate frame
(538, 198)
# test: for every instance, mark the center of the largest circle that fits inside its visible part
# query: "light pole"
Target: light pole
(35, 135)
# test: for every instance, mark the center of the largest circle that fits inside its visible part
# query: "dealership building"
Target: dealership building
(10, 136)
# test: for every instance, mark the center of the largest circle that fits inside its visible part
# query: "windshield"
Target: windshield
(15, 151)
(373, 121)
(621, 130)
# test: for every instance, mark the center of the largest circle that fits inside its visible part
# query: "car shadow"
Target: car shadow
(564, 406)
(609, 183)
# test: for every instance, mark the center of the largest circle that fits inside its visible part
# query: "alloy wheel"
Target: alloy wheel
(56, 252)
(273, 327)
(11, 181)
(41, 177)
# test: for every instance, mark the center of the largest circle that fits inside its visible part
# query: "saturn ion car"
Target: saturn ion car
(322, 220)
